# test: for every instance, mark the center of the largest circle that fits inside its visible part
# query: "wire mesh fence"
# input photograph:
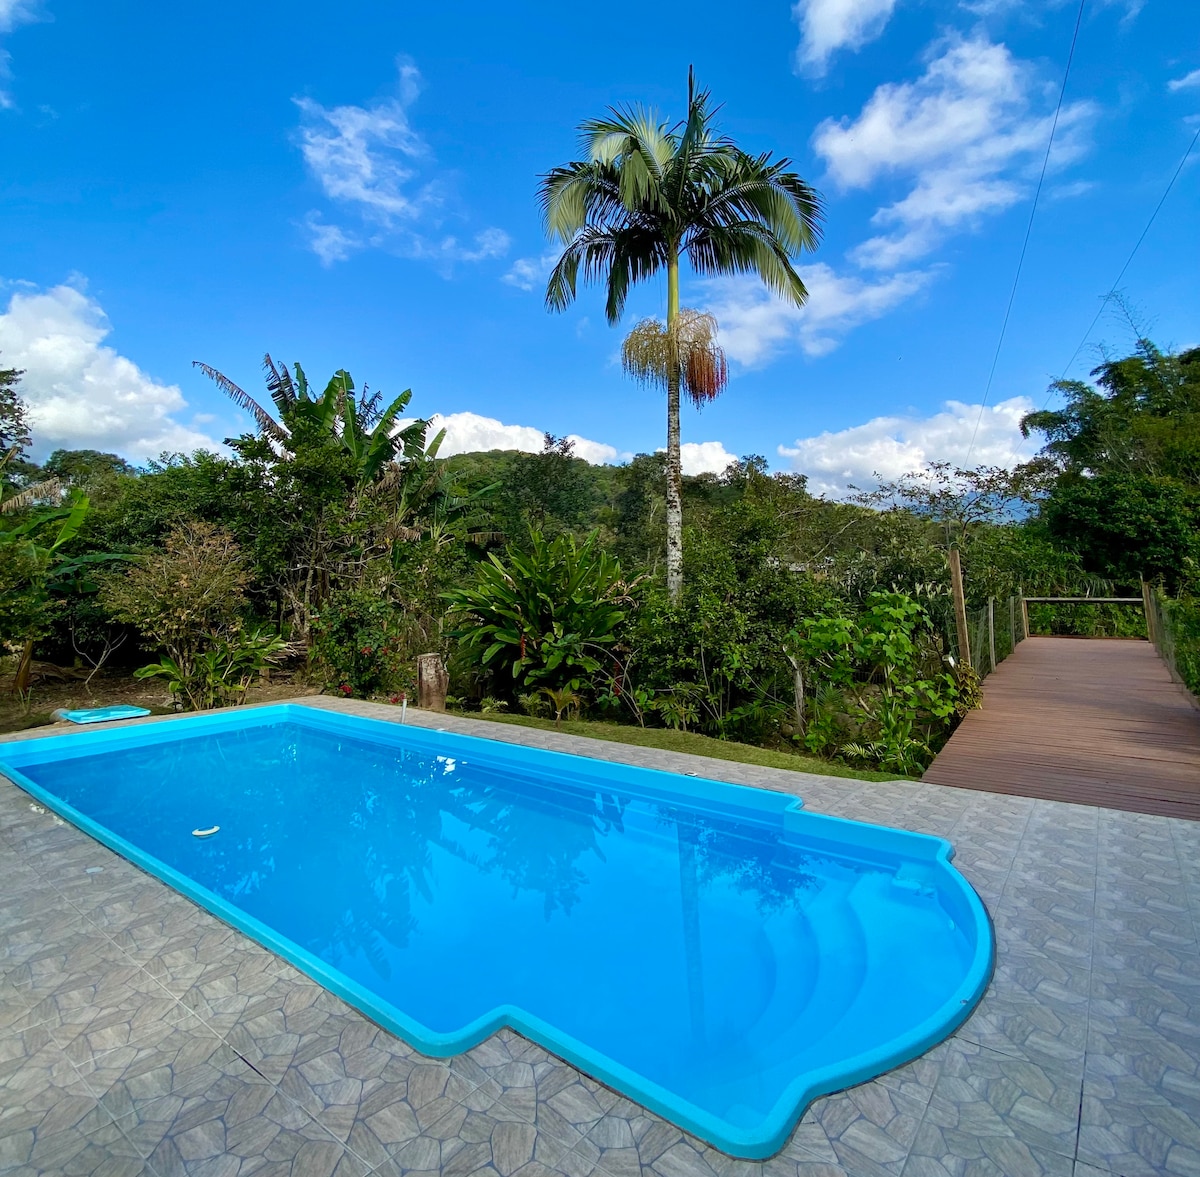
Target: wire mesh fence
(1175, 630)
(993, 632)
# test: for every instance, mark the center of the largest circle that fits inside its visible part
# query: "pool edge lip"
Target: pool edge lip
(774, 1130)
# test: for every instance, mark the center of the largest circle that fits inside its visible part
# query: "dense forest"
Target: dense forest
(333, 545)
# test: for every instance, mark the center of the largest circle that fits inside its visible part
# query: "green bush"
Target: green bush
(221, 675)
(1183, 617)
(540, 616)
(884, 694)
(189, 599)
(715, 662)
(359, 643)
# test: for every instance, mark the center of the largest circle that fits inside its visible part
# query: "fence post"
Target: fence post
(1012, 624)
(992, 631)
(1148, 606)
(1024, 619)
(960, 607)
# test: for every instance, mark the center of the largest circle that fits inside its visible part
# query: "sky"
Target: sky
(356, 187)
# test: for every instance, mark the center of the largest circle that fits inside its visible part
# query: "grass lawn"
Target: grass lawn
(697, 745)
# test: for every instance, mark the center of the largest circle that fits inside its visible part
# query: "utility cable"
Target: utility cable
(1112, 290)
(1028, 229)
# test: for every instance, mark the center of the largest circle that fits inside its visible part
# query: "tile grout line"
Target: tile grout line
(1008, 873)
(1087, 1021)
(1192, 892)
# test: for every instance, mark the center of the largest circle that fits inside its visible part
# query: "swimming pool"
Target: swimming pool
(710, 950)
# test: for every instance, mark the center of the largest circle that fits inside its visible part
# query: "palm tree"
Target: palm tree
(647, 194)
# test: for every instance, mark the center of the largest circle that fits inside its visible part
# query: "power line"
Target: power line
(1112, 290)
(1028, 229)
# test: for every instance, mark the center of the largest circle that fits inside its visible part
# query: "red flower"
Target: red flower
(393, 698)
(346, 689)
(365, 650)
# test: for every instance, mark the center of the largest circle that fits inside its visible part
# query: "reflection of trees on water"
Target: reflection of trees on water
(537, 843)
(752, 858)
(357, 893)
(713, 849)
(287, 858)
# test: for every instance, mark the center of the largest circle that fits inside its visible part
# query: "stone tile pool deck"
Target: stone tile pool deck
(141, 1035)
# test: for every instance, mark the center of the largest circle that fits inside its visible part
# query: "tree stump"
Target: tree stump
(432, 682)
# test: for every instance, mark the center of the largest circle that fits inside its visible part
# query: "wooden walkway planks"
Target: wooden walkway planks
(1095, 721)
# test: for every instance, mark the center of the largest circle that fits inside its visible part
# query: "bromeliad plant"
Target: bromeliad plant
(542, 616)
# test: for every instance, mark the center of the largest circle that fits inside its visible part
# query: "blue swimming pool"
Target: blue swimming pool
(712, 951)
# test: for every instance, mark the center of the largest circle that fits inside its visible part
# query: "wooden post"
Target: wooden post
(1148, 606)
(1012, 624)
(992, 631)
(1024, 618)
(432, 682)
(960, 608)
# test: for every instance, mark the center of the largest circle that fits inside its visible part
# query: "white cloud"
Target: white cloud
(82, 395)
(330, 243)
(1187, 82)
(12, 14)
(829, 25)
(704, 457)
(372, 162)
(755, 325)
(888, 447)
(1034, 13)
(528, 272)
(965, 134)
(469, 433)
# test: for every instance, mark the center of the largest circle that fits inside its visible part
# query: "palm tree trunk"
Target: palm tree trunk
(674, 475)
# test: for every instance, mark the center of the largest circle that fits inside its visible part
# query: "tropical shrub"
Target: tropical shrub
(359, 643)
(886, 694)
(221, 675)
(715, 662)
(189, 599)
(541, 616)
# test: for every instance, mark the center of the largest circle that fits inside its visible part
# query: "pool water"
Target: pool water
(709, 950)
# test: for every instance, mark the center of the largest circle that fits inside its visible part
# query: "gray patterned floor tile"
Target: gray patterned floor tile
(1035, 1102)
(140, 1034)
(868, 1129)
(66, 1143)
(966, 1148)
(1147, 1137)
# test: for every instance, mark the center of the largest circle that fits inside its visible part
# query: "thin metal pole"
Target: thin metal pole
(992, 630)
(960, 607)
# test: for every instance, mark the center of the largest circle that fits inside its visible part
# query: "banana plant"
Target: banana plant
(370, 434)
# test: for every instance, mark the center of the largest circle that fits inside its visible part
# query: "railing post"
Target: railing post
(1148, 606)
(1012, 623)
(960, 607)
(1024, 619)
(992, 631)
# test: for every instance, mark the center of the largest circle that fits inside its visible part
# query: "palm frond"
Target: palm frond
(279, 384)
(48, 488)
(266, 423)
(747, 247)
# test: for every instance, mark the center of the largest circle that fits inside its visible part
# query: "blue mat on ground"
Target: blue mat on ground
(102, 714)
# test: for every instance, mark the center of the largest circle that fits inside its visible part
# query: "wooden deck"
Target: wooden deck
(1096, 721)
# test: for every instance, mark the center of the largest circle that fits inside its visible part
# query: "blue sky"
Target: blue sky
(356, 187)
